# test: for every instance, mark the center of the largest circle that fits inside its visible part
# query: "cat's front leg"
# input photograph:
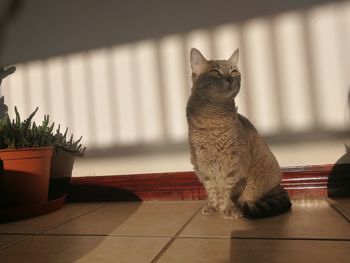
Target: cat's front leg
(212, 205)
(209, 209)
(231, 212)
(227, 207)
(234, 186)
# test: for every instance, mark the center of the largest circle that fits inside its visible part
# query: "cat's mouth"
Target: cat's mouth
(232, 93)
(226, 92)
(230, 89)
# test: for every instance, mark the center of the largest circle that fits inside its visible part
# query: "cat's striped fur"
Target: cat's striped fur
(240, 174)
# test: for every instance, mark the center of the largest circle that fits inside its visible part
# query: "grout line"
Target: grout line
(171, 241)
(102, 235)
(14, 234)
(141, 236)
(16, 242)
(341, 213)
(174, 201)
(293, 238)
(333, 204)
(70, 220)
(180, 237)
(269, 238)
(31, 235)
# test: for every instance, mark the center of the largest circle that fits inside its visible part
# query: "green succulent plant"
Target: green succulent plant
(25, 134)
(71, 145)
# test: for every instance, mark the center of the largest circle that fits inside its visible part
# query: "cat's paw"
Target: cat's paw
(232, 213)
(209, 210)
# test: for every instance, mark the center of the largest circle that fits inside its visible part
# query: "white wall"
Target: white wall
(295, 67)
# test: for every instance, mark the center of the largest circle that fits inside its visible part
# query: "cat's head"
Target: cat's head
(215, 79)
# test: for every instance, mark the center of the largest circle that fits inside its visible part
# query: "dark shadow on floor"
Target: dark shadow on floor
(92, 239)
(99, 193)
(339, 177)
(249, 245)
(93, 192)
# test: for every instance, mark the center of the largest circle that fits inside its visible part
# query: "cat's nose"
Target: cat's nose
(229, 79)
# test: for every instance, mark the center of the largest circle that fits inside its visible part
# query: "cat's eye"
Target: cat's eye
(215, 72)
(235, 73)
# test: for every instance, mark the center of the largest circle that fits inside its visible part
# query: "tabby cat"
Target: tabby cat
(239, 172)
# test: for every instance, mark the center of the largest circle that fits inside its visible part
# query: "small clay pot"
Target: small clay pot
(26, 175)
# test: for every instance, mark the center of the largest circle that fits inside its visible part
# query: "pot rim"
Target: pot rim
(26, 153)
(27, 149)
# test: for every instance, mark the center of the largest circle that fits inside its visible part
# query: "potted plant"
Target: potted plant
(31, 154)
(26, 152)
(63, 159)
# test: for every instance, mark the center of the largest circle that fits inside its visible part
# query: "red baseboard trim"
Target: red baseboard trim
(299, 181)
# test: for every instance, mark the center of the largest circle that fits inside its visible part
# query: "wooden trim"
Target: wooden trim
(306, 181)
(299, 181)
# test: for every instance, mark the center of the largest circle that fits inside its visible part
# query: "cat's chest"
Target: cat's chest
(214, 142)
(214, 150)
(214, 139)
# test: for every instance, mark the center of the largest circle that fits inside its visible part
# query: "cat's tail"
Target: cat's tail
(273, 203)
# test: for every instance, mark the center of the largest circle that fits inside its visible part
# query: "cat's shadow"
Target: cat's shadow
(248, 245)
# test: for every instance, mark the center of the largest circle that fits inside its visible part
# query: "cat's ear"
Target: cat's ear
(234, 58)
(198, 62)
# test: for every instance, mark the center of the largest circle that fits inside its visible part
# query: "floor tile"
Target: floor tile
(343, 206)
(6, 240)
(38, 224)
(312, 218)
(135, 218)
(209, 250)
(78, 249)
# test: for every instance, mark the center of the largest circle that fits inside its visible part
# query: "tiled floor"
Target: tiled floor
(316, 230)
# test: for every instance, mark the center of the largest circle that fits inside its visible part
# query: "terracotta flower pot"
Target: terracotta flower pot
(61, 171)
(26, 176)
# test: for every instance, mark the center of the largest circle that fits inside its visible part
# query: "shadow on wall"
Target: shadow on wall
(7, 15)
(126, 85)
(51, 28)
